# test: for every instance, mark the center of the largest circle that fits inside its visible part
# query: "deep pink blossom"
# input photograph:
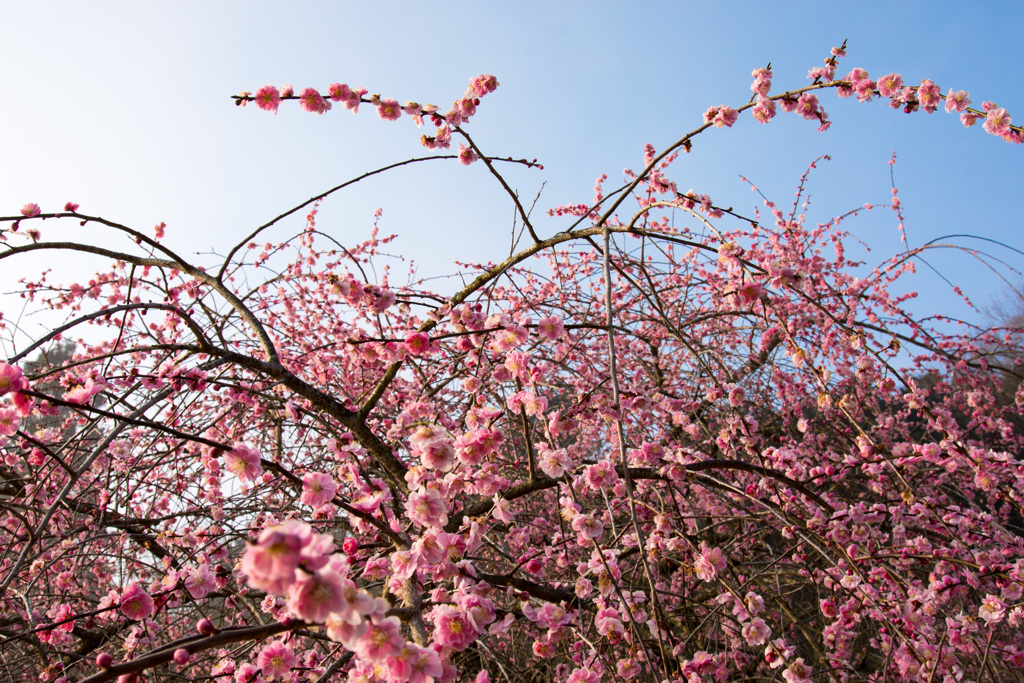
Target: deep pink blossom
(417, 344)
(389, 109)
(136, 604)
(276, 660)
(312, 101)
(268, 98)
(466, 155)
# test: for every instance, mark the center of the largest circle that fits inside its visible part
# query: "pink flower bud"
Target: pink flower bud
(104, 660)
(181, 656)
(206, 627)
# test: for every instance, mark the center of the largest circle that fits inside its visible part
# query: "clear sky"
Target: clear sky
(124, 107)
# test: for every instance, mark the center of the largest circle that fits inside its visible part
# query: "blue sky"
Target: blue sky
(124, 107)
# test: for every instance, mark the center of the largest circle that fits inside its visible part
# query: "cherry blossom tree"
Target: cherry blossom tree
(660, 441)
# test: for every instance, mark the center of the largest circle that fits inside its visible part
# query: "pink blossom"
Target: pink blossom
(583, 676)
(929, 96)
(318, 489)
(381, 640)
(587, 527)
(550, 328)
(71, 207)
(426, 508)
(969, 118)
(757, 632)
(136, 603)
(452, 628)
(271, 562)
(417, 343)
(957, 101)
(287, 90)
(601, 475)
(200, 581)
(82, 391)
(9, 421)
(807, 106)
(276, 660)
(997, 122)
(438, 455)
(749, 294)
(889, 86)
(243, 461)
(797, 672)
(389, 109)
(317, 595)
(268, 98)
(483, 84)
(992, 610)
(726, 116)
(339, 91)
(709, 562)
(554, 463)
(31, 209)
(764, 110)
(312, 101)
(466, 155)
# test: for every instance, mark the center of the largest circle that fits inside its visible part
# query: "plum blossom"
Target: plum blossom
(268, 98)
(417, 344)
(929, 96)
(389, 109)
(199, 581)
(271, 562)
(889, 86)
(797, 672)
(997, 122)
(992, 610)
(807, 106)
(81, 390)
(764, 111)
(312, 101)
(957, 101)
(550, 328)
(601, 475)
(317, 595)
(243, 461)
(276, 660)
(136, 604)
(757, 632)
(587, 527)
(11, 378)
(554, 463)
(31, 209)
(381, 641)
(318, 489)
(709, 562)
(453, 628)
(9, 421)
(426, 507)
(466, 155)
